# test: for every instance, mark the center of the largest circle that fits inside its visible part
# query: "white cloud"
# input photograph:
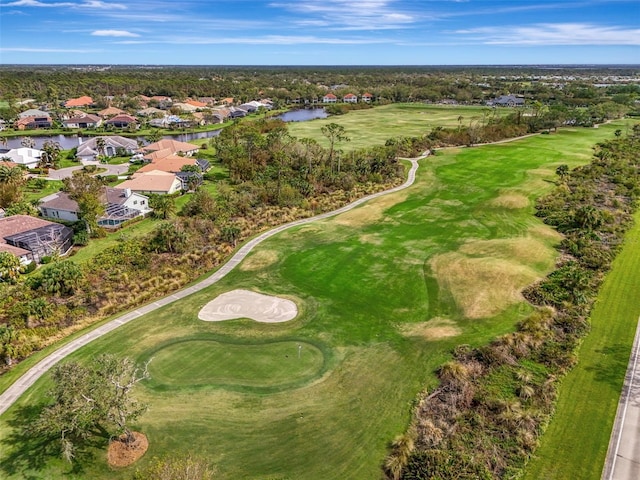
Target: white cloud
(349, 14)
(114, 33)
(266, 40)
(554, 34)
(96, 4)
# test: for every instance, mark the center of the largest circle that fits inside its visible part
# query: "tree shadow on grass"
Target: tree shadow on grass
(611, 370)
(29, 453)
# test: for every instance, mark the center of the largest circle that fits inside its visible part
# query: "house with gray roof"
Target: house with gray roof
(507, 101)
(33, 112)
(89, 151)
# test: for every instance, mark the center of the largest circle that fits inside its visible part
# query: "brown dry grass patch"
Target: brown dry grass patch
(481, 287)
(120, 454)
(372, 212)
(259, 260)
(510, 200)
(546, 232)
(434, 329)
(525, 250)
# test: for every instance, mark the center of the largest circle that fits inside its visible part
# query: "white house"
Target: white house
(112, 143)
(120, 205)
(350, 98)
(329, 98)
(26, 156)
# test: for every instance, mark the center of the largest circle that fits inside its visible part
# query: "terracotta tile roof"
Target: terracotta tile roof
(122, 118)
(7, 164)
(350, 95)
(195, 103)
(368, 95)
(79, 102)
(330, 95)
(228, 100)
(154, 181)
(172, 163)
(173, 145)
(107, 112)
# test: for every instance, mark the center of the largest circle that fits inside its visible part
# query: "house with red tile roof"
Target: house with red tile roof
(30, 123)
(79, 102)
(367, 97)
(122, 121)
(84, 121)
(350, 98)
(174, 146)
(110, 112)
(329, 98)
(195, 103)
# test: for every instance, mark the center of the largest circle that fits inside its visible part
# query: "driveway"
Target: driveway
(67, 172)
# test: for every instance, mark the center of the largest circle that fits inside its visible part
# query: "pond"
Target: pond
(67, 142)
(303, 115)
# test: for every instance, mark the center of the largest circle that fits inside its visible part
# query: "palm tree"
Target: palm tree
(101, 144)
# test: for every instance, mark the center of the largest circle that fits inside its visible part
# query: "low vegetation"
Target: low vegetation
(486, 417)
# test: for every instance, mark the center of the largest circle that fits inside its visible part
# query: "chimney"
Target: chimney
(127, 192)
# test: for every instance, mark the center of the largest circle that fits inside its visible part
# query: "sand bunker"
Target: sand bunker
(246, 304)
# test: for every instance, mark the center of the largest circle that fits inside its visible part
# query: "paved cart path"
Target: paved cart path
(9, 396)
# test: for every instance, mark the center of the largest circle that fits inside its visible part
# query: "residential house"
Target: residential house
(169, 121)
(367, 97)
(220, 114)
(79, 102)
(507, 101)
(161, 101)
(185, 107)
(350, 98)
(208, 101)
(188, 149)
(156, 181)
(150, 112)
(122, 121)
(29, 157)
(31, 123)
(195, 103)
(329, 98)
(33, 112)
(30, 238)
(227, 101)
(236, 112)
(85, 121)
(110, 112)
(120, 205)
(113, 144)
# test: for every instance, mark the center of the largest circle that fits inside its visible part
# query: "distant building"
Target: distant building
(507, 101)
(30, 238)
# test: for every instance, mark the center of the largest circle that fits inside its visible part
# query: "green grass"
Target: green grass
(97, 245)
(376, 125)
(33, 193)
(361, 281)
(575, 444)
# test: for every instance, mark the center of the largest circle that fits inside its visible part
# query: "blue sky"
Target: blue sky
(320, 32)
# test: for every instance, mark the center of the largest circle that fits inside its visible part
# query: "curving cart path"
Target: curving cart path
(11, 394)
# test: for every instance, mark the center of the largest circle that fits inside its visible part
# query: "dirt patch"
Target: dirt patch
(510, 200)
(372, 212)
(121, 454)
(259, 260)
(435, 329)
(372, 239)
(246, 304)
(481, 287)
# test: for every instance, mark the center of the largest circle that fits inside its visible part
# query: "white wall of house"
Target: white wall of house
(136, 201)
(59, 214)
